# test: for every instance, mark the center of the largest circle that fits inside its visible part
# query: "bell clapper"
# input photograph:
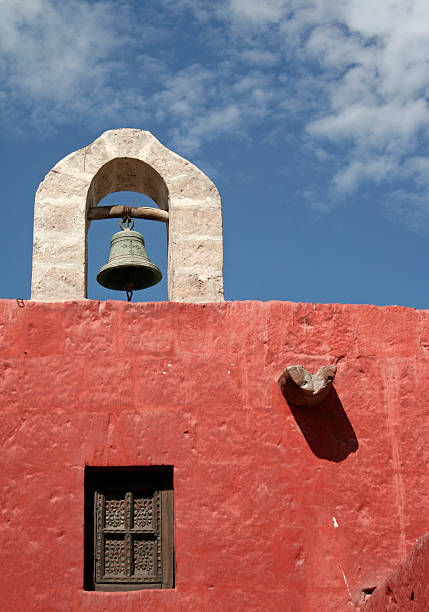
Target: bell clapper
(129, 291)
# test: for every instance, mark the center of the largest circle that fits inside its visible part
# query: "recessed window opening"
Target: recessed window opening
(129, 528)
(99, 236)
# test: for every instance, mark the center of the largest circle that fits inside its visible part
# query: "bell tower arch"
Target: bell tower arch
(127, 160)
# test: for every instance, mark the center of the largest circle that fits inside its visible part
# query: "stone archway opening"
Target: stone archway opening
(127, 174)
(99, 235)
(128, 182)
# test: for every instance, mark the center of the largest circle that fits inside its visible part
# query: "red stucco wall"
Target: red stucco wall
(276, 508)
(408, 587)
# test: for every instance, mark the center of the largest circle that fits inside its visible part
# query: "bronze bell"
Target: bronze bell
(129, 268)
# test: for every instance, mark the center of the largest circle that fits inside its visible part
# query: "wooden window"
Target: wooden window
(129, 540)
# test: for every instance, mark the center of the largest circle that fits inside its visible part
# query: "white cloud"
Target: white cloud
(354, 72)
(207, 126)
(258, 57)
(60, 61)
(206, 104)
(374, 58)
(411, 208)
(55, 51)
(359, 70)
(374, 168)
(185, 92)
(258, 12)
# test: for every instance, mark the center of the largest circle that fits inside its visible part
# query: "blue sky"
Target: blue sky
(311, 116)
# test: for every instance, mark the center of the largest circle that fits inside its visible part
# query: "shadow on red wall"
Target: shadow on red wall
(326, 427)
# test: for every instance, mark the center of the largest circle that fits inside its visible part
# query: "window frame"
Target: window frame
(126, 481)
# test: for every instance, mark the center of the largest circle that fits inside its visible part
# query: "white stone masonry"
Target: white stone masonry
(127, 160)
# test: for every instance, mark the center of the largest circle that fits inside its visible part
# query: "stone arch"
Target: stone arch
(127, 174)
(127, 160)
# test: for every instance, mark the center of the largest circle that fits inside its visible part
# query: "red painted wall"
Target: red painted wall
(408, 587)
(276, 508)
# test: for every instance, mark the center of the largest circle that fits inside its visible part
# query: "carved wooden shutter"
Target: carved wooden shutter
(133, 535)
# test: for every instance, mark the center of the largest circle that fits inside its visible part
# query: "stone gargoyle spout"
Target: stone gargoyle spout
(301, 388)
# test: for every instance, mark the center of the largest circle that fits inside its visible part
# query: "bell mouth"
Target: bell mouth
(129, 278)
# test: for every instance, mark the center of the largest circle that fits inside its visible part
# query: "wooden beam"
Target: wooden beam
(137, 212)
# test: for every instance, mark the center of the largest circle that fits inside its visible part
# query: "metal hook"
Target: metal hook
(129, 223)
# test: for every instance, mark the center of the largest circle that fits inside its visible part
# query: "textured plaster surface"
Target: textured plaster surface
(127, 160)
(408, 587)
(276, 507)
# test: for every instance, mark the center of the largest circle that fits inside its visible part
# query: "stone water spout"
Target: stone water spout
(301, 388)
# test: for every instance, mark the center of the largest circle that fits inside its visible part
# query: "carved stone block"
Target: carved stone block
(304, 389)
